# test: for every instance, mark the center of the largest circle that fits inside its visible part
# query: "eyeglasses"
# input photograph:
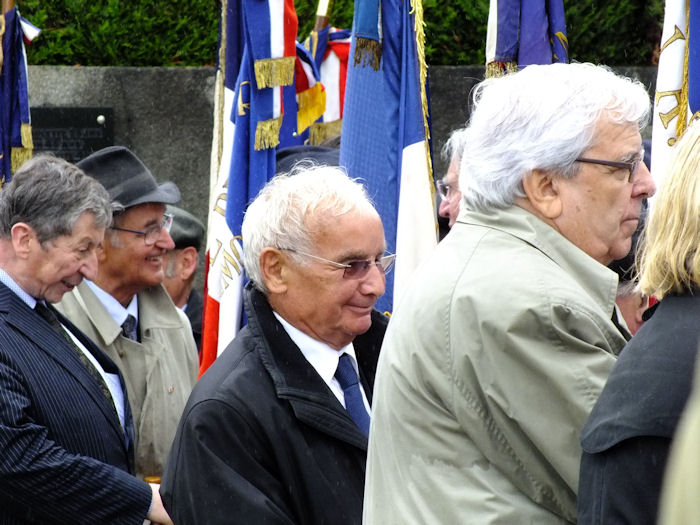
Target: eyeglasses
(354, 269)
(444, 189)
(631, 167)
(152, 233)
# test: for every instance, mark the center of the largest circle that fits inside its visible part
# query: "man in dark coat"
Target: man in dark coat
(66, 432)
(274, 432)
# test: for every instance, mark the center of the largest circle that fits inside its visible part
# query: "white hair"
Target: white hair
(542, 117)
(280, 216)
(454, 147)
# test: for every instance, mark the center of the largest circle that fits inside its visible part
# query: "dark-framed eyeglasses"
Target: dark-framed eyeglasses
(631, 167)
(354, 269)
(152, 233)
(444, 189)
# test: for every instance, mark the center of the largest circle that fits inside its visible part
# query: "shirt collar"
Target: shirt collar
(321, 356)
(17, 289)
(114, 307)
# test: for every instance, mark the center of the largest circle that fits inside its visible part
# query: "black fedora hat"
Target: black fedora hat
(128, 181)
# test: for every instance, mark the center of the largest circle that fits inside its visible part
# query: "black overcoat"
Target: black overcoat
(263, 440)
(627, 437)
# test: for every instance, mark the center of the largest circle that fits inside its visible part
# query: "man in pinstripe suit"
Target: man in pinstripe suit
(66, 433)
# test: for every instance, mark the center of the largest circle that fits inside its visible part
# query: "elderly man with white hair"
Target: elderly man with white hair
(276, 430)
(496, 354)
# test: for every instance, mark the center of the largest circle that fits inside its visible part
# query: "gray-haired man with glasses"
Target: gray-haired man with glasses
(276, 430)
(127, 311)
(497, 352)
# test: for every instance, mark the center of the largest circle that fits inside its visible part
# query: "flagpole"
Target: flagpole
(7, 5)
(322, 14)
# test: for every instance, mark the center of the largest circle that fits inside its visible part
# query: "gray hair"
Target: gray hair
(542, 117)
(454, 147)
(50, 195)
(279, 215)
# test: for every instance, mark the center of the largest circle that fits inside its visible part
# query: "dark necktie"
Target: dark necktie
(129, 328)
(349, 382)
(49, 315)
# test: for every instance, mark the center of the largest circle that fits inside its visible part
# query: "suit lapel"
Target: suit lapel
(45, 339)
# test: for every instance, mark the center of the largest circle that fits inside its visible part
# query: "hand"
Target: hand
(158, 515)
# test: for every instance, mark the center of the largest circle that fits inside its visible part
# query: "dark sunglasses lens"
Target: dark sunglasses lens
(357, 269)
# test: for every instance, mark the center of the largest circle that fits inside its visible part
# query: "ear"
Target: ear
(273, 266)
(22, 235)
(187, 260)
(543, 191)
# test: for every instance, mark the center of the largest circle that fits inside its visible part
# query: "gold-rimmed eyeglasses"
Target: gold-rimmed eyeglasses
(353, 269)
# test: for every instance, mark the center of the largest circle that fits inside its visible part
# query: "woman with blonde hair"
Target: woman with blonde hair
(627, 437)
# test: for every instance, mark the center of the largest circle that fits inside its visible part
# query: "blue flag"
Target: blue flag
(524, 32)
(15, 123)
(386, 131)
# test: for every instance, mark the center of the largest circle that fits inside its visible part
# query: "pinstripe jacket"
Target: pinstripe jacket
(64, 457)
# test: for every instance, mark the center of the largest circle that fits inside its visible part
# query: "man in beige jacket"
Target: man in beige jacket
(128, 313)
(498, 350)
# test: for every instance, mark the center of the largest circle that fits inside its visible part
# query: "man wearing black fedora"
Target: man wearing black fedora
(126, 310)
(181, 263)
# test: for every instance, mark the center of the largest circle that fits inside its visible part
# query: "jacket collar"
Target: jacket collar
(598, 281)
(296, 380)
(155, 309)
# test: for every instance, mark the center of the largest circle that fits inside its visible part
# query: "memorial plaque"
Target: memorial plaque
(72, 133)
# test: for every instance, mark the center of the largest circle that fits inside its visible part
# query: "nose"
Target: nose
(89, 268)
(165, 241)
(374, 282)
(444, 208)
(644, 186)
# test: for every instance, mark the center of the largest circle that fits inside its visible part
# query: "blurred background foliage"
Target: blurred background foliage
(185, 32)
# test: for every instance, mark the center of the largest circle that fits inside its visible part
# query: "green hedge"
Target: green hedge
(185, 32)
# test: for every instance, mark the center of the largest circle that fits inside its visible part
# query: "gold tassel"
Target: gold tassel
(272, 72)
(20, 155)
(368, 52)
(2, 34)
(26, 134)
(498, 69)
(267, 133)
(312, 104)
(321, 131)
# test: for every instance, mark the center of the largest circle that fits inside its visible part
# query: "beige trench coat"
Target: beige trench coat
(159, 371)
(490, 366)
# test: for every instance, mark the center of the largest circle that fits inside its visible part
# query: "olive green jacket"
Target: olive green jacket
(490, 366)
(159, 371)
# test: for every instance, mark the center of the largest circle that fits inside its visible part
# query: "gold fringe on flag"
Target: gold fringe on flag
(417, 8)
(20, 155)
(322, 131)
(2, 33)
(267, 133)
(312, 104)
(272, 72)
(498, 69)
(368, 52)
